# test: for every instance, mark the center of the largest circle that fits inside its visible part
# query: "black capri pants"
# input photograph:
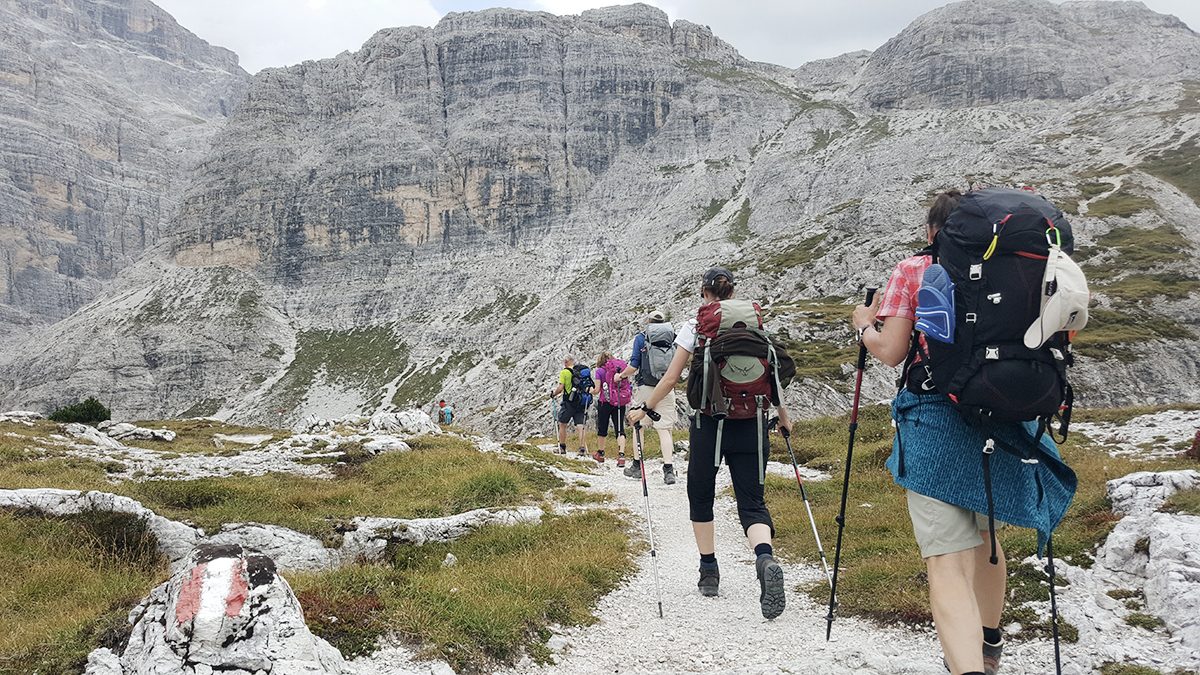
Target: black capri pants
(605, 413)
(739, 448)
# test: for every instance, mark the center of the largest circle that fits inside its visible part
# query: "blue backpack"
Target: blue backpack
(581, 386)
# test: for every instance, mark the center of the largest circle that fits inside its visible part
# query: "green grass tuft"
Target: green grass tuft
(1143, 620)
(1184, 501)
(68, 585)
(509, 586)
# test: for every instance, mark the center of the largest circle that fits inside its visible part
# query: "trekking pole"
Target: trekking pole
(637, 435)
(841, 518)
(787, 440)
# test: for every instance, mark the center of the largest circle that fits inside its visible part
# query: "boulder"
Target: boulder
(291, 550)
(412, 422)
(385, 444)
(371, 536)
(24, 417)
(124, 431)
(226, 611)
(91, 436)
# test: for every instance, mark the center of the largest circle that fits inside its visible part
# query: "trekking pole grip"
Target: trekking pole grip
(862, 349)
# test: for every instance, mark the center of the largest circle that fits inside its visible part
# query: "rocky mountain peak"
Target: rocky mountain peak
(992, 51)
(132, 24)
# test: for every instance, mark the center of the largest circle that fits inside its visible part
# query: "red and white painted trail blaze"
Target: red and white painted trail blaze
(214, 590)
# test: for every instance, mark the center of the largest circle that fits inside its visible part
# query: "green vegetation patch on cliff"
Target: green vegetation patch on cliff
(1121, 203)
(1128, 263)
(796, 255)
(883, 576)
(497, 603)
(510, 305)
(1179, 167)
(424, 383)
(1111, 334)
(739, 227)
(361, 359)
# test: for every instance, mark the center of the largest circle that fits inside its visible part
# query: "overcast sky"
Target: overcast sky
(267, 33)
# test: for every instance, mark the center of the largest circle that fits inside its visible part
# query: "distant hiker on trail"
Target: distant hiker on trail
(966, 371)
(653, 349)
(736, 375)
(612, 397)
(574, 385)
(447, 414)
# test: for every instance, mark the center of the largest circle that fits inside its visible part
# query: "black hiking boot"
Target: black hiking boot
(634, 470)
(991, 657)
(710, 580)
(669, 474)
(770, 583)
(583, 452)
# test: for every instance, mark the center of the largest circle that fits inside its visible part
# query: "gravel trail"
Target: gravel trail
(727, 634)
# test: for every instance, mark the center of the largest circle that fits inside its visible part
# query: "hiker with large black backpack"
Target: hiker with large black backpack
(653, 349)
(736, 374)
(981, 321)
(574, 386)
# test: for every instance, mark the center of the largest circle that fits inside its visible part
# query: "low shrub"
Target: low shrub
(88, 411)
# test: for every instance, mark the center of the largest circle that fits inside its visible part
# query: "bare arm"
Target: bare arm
(625, 374)
(890, 343)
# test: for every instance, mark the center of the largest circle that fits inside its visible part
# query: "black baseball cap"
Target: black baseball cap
(711, 275)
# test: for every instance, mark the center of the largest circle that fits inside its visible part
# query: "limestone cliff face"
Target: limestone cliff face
(448, 211)
(103, 103)
(488, 129)
(977, 53)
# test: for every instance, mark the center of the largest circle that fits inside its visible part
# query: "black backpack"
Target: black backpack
(994, 248)
(581, 386)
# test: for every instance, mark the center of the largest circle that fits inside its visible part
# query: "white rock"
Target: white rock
(372, 535)
(24, 417)
(450, 561)
(91, 436)
(124, 431)
(228, 611)
(411, 422)
(291, 550)
(385, 444)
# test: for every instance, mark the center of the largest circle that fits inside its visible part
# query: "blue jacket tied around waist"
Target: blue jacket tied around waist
(937, 454)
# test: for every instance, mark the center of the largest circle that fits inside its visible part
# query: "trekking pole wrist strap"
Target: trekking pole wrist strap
(649, 412)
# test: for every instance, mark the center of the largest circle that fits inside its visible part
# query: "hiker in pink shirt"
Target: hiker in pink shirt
(611, 398)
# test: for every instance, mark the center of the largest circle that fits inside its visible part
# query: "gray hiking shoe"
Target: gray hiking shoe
(669, 475)
(770, 582)
(710, 580)
(991, 657)
(634, 470)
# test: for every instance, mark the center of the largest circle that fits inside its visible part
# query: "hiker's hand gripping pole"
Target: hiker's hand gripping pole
(841, 518)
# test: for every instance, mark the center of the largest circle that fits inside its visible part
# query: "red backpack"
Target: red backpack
(740, 370)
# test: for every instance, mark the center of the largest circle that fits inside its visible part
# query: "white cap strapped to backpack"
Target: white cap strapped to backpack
(1065, 299)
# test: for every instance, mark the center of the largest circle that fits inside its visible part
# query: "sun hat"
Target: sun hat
(1065, 299)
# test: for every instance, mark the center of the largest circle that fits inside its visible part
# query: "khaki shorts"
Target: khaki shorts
(943, 528)
(666, 407)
